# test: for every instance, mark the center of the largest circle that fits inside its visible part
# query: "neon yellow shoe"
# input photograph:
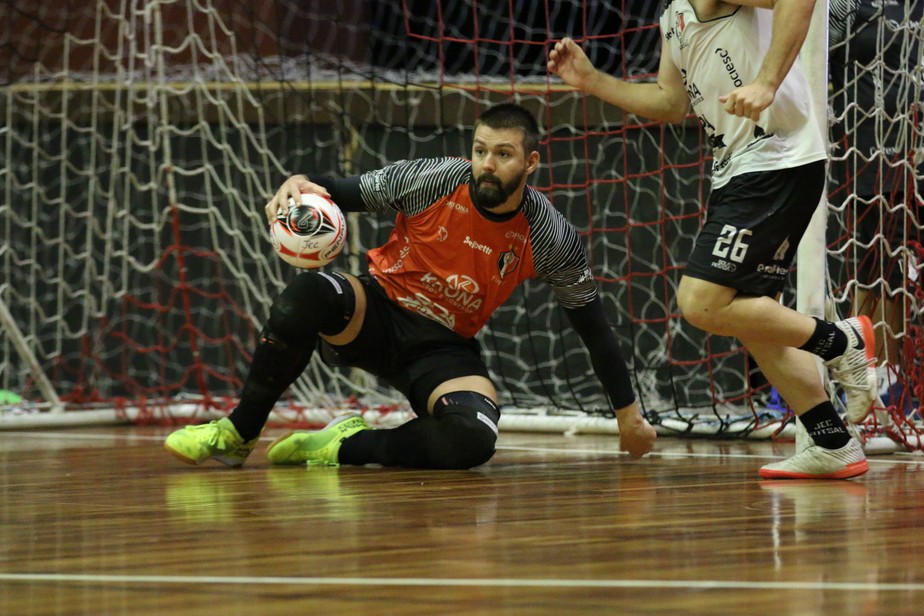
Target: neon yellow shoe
(318, 448)
(217, 439)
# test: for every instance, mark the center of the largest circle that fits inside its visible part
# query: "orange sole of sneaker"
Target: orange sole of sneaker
(851, 470)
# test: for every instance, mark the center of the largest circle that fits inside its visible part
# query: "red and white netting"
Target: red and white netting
(140, 142)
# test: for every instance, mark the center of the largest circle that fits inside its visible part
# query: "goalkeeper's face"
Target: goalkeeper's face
(500, 166)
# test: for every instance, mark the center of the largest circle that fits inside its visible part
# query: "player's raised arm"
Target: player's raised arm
(666, 100)
(791, 20)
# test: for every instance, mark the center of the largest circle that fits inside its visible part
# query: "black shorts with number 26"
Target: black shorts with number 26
(753, 226)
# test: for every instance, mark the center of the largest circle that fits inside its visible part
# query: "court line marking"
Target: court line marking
(887, 459)
(474, 582)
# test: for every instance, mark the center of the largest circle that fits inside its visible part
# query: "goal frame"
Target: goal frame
(256, 104)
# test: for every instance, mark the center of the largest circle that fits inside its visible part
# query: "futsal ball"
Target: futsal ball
(310, 234)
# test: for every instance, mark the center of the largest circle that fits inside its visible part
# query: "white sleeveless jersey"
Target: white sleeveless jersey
(718, 55)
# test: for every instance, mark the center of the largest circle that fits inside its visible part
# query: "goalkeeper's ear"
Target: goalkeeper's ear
(532, 162)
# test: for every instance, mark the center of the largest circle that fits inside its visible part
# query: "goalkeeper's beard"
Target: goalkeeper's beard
(497, 193)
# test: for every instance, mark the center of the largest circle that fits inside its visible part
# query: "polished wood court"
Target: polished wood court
(103, 521)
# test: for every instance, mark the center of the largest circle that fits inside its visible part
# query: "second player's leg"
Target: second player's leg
(724, 311)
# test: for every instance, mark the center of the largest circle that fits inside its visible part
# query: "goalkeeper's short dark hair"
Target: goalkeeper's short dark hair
(511, 115)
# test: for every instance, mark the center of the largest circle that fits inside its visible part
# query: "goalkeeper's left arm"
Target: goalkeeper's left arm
(636, 436)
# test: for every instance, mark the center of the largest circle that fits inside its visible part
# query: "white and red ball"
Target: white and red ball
(311, 234)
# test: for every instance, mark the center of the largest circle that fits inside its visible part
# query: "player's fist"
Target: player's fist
(748, 101)
(636, 435)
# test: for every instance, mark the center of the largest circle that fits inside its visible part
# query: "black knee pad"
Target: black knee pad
(468, 422)
(313, 303)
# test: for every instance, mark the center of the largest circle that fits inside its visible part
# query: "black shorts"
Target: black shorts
(408, 351)
(878, 254)
(753, 228)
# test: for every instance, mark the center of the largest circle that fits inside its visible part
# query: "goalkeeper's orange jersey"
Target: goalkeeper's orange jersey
(455, 263)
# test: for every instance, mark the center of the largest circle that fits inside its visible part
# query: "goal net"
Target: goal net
(877, 178)
(140, 142)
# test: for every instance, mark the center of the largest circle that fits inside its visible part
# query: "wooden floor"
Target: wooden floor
(103, 521)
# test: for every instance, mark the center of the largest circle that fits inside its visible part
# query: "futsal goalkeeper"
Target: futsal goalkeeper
(466, 234)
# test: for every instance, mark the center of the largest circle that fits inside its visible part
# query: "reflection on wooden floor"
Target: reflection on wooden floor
(103, 521)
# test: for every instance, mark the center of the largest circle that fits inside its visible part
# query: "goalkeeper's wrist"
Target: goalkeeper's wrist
(627, 412)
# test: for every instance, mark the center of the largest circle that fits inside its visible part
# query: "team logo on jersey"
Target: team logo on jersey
(442, 234)
(507, 262)
(679, 28)
(461, 282)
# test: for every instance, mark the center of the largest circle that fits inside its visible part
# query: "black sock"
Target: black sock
(416, 444)
(825, 426)
(275, 366)
(827, 341)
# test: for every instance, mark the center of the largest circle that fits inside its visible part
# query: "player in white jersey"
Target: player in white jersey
(736, 64)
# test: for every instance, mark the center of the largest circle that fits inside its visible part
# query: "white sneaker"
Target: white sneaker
(855, 370)
(885, 378)
(803, 439)
(816, 462)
